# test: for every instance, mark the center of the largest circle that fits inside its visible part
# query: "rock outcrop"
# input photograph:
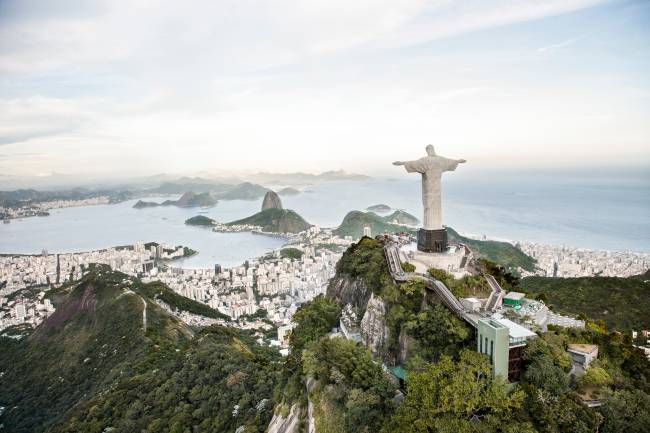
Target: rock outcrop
(271, 201)
(405, 342)
(374, 331)
(286, 424)
(346, 290)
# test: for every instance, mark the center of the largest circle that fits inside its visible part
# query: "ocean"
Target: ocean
(604, 209)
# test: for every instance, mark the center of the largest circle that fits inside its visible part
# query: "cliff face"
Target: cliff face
(286, 424)
(374, 332)
(347, 290)
(405, 343)
(271, 201)
(291, 222)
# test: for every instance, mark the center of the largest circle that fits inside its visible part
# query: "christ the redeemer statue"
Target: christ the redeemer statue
(431, 167)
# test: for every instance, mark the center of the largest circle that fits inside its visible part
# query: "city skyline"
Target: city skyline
(96, 88)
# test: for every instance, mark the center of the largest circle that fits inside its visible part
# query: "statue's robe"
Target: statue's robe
(431, 168)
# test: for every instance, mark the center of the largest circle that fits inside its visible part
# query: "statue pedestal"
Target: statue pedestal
(432, 241)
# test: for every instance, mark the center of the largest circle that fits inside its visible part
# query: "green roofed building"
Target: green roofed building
(513, 299)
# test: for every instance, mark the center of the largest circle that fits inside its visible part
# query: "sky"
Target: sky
(220, 86)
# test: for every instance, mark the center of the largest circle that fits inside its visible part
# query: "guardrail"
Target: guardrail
(495, 296)
(398, 274)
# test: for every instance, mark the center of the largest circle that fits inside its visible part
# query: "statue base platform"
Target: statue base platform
(432, 241)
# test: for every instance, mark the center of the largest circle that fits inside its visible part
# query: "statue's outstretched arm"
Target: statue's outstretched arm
(462, 161)
(399, 163)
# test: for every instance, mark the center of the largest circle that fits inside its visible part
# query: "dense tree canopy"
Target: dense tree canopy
(458, 395)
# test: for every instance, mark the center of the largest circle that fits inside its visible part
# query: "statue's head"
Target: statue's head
(430, 150)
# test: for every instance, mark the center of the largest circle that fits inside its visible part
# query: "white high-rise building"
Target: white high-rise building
(21, 312)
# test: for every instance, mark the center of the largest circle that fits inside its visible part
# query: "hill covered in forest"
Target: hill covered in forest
(112, 359)
(622, 303)
(354, 222)
(200, 220)
(402, 217)
(449, 386)
(275, 221)
(503, 253)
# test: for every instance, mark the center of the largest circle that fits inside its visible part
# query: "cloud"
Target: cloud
(557, 46)
(187, 85)
(234, 35)
(24, 119)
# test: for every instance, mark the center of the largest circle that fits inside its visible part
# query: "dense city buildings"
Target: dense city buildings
(41, 208)
(274, 283)
(566, 262)
(21, 272)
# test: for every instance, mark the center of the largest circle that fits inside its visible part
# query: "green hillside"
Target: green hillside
(158, 291)
(623, 303)
(503, 253)
(200, 220)
(94, 338)
(402, 217)
(355, 221)
(220, 382)
(92, 367)
(276, 221)
(450, 387)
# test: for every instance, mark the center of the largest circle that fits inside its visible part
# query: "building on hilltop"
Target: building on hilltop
(582, 354)
(514, 299)
(503, 341)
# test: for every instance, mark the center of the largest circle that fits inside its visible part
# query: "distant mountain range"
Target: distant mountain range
(59, 181)
(303, 178)
(189, 199)
(221, 191)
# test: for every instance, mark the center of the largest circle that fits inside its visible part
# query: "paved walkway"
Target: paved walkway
(448, 298)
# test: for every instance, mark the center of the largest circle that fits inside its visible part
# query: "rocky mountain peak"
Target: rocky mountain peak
(271, 201)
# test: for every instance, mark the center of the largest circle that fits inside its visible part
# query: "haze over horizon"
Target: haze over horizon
(109, 88)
